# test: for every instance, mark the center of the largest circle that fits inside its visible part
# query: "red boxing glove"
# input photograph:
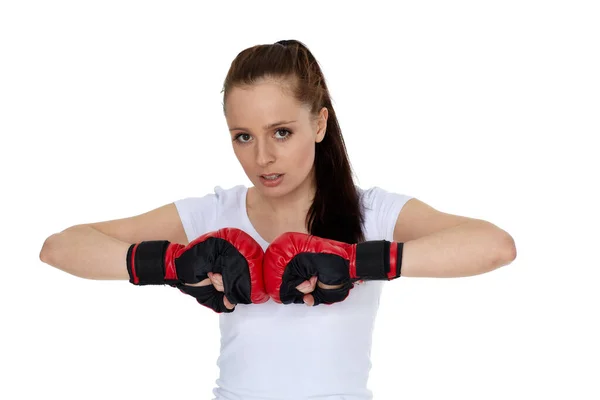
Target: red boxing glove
(293, 258)
(229, 251)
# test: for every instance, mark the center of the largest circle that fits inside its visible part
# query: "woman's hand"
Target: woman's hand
(217, 281)
(309, 286)
(305, 287)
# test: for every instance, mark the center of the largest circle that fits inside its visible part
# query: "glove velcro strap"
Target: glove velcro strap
(146, 262)
(374, 259)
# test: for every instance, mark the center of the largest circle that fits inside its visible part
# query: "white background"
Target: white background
(483, 109)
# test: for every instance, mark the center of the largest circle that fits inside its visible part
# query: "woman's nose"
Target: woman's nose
(264, 154)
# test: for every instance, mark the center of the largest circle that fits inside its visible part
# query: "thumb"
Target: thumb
(309, 300)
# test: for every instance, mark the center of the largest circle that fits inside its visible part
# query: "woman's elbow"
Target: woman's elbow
(47, 249)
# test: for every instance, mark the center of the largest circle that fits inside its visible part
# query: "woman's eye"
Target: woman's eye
(285, 132)
(242, 138)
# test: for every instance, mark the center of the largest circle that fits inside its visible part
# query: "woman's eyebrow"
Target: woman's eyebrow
(266, 127)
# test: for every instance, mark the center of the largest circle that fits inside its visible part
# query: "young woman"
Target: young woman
(303, 233)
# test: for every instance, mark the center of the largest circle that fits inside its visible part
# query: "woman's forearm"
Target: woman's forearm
(87, 253)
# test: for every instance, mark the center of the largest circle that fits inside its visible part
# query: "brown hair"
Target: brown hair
(336, 212)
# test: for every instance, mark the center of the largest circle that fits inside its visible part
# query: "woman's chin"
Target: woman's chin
(271, 191)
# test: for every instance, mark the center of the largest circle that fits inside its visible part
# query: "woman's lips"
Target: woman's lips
(272, 180)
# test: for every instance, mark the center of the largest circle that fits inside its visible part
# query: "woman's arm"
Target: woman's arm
(86, 253)
(442, 245)
(99, 250)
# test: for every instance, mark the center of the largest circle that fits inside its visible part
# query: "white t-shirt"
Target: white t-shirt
(276, 351)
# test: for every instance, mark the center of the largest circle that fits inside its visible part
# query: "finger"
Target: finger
(217, 281)
(217, 278)
(227, 303)
(204, 282)
(308, 286)
(219, 288)
(216, 275)
(309, 300)
(305, 287)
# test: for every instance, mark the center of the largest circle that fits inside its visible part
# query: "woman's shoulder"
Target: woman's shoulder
(203, 213)
(233, 193)
(381, 210)
(376, 196)
(220, 194)
(219, 198)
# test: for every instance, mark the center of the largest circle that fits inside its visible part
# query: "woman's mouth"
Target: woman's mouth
(271, 180)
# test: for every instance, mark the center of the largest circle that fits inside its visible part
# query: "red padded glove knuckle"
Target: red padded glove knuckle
(288, 245)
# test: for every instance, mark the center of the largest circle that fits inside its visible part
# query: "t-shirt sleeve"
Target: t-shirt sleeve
(197, 214)
(386, 207)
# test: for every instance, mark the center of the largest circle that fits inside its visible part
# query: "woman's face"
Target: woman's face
(273, 136)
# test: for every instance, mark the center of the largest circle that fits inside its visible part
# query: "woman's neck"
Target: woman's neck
(291, 208)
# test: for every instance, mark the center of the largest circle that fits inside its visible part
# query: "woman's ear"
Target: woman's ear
(322, 124)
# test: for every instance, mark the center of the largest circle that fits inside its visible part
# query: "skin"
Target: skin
(275, 150)
(288, 148)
